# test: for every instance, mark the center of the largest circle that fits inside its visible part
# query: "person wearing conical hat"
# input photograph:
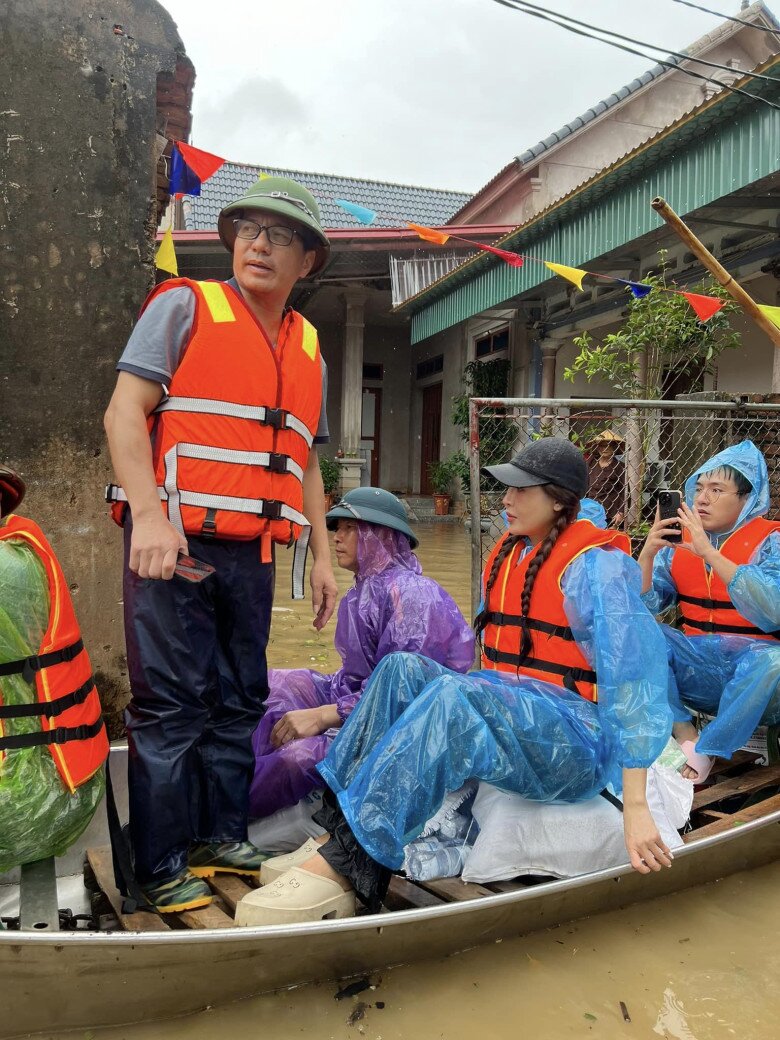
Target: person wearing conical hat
(213, 426)
(607, 475)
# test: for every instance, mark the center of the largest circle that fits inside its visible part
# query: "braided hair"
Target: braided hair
(570, 503)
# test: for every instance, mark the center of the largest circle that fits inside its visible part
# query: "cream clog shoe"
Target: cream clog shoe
(273, 868)
(295, 897)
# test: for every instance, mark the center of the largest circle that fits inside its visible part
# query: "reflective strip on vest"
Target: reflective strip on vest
(207, 406)
(309, 342)
(242, 458)
(217, 302)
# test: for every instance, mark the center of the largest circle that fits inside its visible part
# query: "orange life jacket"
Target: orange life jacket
(704, 599)
(555, 656)
(231, 440)
(68, 703)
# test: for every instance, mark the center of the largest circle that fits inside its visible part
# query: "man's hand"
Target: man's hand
(656, 538)
(324, 592)
(699, 543)
(305, 722)
(155, 546)
(645, 846)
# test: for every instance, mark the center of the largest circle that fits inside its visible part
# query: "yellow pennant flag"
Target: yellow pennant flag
(773, 313)
(571, 274)
(165, 258)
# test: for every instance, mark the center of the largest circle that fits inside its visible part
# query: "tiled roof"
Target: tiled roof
(395, 203)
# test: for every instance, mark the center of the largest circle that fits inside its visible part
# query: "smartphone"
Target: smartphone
(190, 569)
(668, 504)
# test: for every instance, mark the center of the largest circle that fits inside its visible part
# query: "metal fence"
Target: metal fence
(655, 445)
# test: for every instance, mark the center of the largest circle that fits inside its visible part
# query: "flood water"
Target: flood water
(700, 965)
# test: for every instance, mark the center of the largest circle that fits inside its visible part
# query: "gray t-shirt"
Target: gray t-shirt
(157, 343)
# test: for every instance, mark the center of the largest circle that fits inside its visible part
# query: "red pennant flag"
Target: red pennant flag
(203, 164)
(513, 259)
(705, 306)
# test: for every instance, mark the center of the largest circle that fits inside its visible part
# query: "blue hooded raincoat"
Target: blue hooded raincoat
(421, 730)
(735, 678)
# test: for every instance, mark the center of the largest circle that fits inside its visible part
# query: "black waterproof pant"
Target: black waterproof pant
(196, 658)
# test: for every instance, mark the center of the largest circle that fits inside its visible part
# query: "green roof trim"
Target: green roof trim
(726, 144)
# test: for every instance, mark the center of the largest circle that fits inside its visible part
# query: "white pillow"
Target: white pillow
(518, 836)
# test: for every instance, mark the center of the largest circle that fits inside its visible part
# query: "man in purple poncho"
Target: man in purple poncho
(391, 607)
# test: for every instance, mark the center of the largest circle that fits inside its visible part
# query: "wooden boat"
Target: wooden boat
(139, 971)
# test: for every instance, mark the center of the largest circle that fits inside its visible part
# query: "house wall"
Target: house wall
(77, 223)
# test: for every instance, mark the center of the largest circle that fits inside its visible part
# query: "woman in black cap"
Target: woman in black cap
(571, 702)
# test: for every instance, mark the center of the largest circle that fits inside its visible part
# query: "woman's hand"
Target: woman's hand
(304, 722)
(645, 846)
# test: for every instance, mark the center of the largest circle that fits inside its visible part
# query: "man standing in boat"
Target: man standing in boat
(219, 402)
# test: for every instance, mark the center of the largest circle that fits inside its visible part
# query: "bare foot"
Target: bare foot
(318, 865)
(689, 773)
(685, 731)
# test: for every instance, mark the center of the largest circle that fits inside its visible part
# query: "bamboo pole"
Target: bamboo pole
(721, 275)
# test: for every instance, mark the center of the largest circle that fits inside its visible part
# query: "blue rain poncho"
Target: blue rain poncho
(391, 607)
(421, 730)
(736, 678)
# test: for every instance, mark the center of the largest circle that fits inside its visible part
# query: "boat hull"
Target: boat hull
(100, 979)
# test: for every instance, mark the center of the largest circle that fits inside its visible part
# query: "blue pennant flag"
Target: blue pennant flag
(365, 216)
(638, 289)
(183, 181)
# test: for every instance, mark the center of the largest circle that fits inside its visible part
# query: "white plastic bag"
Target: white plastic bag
(287, 829)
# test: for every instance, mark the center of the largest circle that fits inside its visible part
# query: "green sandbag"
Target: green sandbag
(39, 817)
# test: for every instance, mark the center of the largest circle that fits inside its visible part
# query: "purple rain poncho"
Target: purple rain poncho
(391, 607)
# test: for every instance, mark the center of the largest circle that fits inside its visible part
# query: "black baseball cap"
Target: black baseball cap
(550, 460)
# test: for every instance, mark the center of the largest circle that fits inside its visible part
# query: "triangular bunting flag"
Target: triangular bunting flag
(705, 306)
(773, 313)
(428, 234)
(513, 259)
(183, 181)
(638, 289)
(571, 274)
(361, 213)
(203, 164)
(165, 257)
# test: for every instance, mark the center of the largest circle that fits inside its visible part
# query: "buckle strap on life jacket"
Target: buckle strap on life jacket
(61, 735)
(585, 675)
(496, 617)
(28, 666)
(48, 708)
(273, 461)
(736, 630)
(708, 604)
(278, 418)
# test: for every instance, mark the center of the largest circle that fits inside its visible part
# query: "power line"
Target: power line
(730, 18)
(565, 22)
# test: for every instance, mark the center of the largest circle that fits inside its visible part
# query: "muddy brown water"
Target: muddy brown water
(700, 965)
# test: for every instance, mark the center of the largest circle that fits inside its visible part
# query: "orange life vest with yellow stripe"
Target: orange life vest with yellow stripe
(231, 440)
(555, 656)
(68, 704)
(703, 597)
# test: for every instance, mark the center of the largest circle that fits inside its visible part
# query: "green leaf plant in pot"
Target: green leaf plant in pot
(441, 474)
(331, 478)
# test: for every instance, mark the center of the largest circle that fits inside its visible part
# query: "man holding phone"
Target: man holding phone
(212, 427)
(724, 575)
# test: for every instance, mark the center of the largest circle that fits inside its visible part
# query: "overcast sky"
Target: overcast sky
(440, 93)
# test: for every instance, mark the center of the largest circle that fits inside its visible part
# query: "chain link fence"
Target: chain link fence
(633, 449)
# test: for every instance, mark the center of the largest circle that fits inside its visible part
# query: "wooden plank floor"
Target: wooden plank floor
(738, 778)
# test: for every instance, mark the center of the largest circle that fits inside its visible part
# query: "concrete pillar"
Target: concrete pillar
(352, 371)
(549, 351)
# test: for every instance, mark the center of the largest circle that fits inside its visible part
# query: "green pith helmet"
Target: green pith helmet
(372, 506)
(286, 197)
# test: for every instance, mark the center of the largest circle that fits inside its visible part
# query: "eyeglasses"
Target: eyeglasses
(713, 494)
(278, 234)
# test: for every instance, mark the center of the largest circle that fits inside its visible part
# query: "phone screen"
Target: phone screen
(668, 504)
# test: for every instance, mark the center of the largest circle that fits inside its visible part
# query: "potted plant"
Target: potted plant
(442, 474)
(331, 476)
